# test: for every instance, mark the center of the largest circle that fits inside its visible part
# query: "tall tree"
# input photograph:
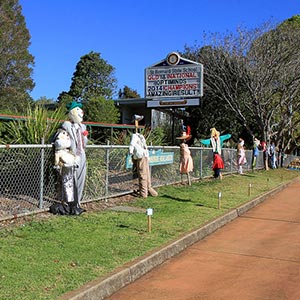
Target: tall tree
(224, 88)
(128, 93)
(273, 82)
(255, 75)
(15, 60)
(99, 109)
(93, 77)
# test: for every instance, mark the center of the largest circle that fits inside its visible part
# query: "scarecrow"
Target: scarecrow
(216, 142)
(186, 161)
(265, 151)
(140, 158)
(255, 153)
(73, 176)
(241, 155)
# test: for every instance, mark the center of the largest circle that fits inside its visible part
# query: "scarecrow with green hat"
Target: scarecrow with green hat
(73, 177)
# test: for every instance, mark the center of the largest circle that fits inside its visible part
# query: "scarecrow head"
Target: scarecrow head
(75, 112)
(214, 133)
(136, 119)
(62, 140)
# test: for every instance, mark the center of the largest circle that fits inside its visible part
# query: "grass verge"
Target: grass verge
(44, 259)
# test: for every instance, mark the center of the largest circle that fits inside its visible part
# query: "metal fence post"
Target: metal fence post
(201, 163)
(107, 171)
(231, 153)
(41, 202)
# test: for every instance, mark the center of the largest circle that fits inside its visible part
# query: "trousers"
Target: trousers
(144, 178)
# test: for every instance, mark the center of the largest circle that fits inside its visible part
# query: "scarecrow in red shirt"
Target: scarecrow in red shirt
(216, 141)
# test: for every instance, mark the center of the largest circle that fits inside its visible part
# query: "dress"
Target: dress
(218, 164)
(186, 160)
(241, 157)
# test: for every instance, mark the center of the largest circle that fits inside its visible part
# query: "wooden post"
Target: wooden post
(149, 224)
(249, 189)
(189, 178)
(149, 215)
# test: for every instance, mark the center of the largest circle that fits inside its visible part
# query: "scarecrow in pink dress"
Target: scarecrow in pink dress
(186, 161)
(241, 156)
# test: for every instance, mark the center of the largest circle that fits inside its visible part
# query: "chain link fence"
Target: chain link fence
(28, 181)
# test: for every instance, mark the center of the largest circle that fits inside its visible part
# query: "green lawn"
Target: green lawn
(44, 259)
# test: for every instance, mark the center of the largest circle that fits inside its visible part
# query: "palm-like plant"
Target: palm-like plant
(37, 127)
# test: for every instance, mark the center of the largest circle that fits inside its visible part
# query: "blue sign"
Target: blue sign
(156, 158)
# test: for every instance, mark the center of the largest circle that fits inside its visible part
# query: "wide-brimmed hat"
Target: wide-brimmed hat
(184, 136)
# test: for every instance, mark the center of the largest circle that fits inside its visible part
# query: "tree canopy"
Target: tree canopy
(93, 77)
(99, 109)
(251, 82)
(93, 84)
(128, 93)
(16, 62)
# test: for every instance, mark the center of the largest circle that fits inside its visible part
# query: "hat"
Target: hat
(72, 105)
(137, 118)
(184, 136)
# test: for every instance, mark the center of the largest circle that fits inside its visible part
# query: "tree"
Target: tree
(49, 104)
(63, 99)
(93, 77)
(128, 93)
(223, 88)
(274, 82)
(253, 74)
(99, 109)
(15, 61)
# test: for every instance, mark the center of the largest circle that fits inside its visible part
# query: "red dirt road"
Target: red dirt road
(255, 257)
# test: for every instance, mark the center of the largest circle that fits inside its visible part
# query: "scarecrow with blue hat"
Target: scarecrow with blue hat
(73, 177)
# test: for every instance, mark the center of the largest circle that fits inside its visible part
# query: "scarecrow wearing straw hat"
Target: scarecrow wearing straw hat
(186, 161)
(140, 157)
(73, 176)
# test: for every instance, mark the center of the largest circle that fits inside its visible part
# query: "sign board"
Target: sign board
(173, 103)
(156, 158)
(174, 78)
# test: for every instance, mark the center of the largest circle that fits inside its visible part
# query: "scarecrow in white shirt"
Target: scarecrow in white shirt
(140, 155)
(73, 176)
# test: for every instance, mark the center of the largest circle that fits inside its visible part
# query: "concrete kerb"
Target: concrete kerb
(102, 288)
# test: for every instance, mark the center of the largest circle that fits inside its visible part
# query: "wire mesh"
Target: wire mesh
(28, 181)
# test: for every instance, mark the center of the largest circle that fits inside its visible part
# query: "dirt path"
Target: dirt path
(255, 257)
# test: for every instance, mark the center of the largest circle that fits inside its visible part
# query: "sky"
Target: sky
(130, 35)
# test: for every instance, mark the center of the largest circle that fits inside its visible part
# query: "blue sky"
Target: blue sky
(130, 35)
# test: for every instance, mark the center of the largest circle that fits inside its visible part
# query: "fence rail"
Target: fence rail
(28, 181)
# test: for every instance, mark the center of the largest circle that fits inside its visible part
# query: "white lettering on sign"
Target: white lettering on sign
(174, 81)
